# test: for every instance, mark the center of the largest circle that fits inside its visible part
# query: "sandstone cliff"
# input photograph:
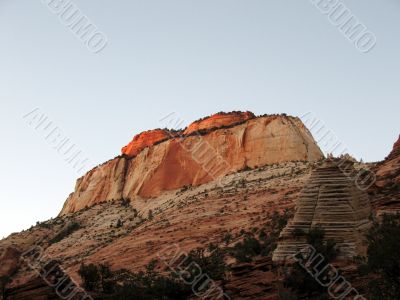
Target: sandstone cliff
(157, 161)
(386, 191)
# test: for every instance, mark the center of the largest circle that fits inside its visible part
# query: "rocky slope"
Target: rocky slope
(189, 217)
(270, 160)
(156, 161)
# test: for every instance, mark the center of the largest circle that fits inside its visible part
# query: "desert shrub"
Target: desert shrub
(125, 202)
(3, 282)
(244, 251)
(119, 224)
(227, 238)
(299, 280)
(66, 231)
(260, 242)
(212, 264)
(150, 215)
(90, 275)
(122, 284)
(383, 258)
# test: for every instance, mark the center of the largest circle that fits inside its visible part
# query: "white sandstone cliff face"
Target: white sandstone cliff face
(195, 160)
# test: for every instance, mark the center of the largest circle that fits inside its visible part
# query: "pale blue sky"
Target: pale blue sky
(191, 57)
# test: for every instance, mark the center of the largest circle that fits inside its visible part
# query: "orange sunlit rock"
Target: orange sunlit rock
(171, 163)
(219, 120)
(143, 140)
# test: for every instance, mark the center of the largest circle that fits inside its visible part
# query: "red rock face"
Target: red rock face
(192, 160)
(9, 262)
(219, 120)
(396, 150)
(386, 191)
(152, 137)
(143, 140)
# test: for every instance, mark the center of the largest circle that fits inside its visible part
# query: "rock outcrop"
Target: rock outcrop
(386, 190)
(218, 120)
(333, 202)
(208, 150)
(9, 259)
(144, 140)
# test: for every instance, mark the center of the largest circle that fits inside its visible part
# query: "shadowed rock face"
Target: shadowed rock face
(386, 191)
(388, 169)
(332, 201)
(195, 159)
(9, 259)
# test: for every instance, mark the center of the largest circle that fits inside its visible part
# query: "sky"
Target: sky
(193, 58)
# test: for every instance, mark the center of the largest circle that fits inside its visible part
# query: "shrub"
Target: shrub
(119, 223)
(265, 242)
(299, 280)
(90, 275)
(122, 284)
(150, 215)
(3, 282)
(68, 230)
(383, 258)
(213, 265)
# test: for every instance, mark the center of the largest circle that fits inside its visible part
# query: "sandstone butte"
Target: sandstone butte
(207, 150)
(332, 201)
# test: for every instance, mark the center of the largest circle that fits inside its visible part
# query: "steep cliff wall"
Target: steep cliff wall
(194, 159)
(386, 191)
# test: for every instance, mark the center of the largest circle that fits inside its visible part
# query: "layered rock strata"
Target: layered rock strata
(194, 159)
(333, 202)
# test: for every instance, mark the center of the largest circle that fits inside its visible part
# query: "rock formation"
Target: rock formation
(207, 150)
(144, 140)
(386, 190)
(192, 211)
(9, 261)
(218, 120)
(333, 202)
